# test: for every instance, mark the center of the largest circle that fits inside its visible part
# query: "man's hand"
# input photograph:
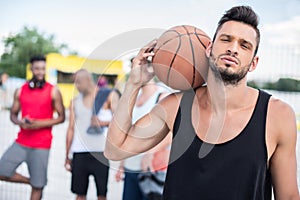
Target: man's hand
(68, 165)
(31, 124)
(120, 174)
(95, 121)
(140, 73)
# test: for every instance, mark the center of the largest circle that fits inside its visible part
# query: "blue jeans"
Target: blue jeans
(132, 189)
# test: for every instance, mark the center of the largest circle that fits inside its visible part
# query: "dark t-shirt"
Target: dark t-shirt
(234, 170)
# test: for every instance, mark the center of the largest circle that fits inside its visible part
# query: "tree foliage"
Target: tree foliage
(21, 46)
(282, 84)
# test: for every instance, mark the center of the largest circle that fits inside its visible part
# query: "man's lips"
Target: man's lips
(229, 60)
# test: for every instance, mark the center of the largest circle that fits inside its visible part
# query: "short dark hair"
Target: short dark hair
(243, 14)
(37, 58)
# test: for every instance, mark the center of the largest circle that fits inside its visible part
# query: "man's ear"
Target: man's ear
(208, 49)
(253, 64)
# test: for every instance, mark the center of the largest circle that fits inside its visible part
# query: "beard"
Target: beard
(225, 75)
(36, 79)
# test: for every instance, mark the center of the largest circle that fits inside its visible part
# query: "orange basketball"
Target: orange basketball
(180, 61)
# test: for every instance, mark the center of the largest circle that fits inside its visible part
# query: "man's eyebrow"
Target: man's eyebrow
(225, 35)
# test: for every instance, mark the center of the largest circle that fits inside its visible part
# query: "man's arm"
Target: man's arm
(69, 138)
(58, 107)
(15, 109)
(283, 163)
(114, 98)
(166, 142)
(125, 139)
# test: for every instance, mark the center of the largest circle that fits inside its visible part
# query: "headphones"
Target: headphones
(34, 83)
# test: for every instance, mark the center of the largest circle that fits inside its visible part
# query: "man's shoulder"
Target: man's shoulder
(278, 106)
(171, 102)
(23, 85)
(281, 119)
(18, 90)
(50, 86)
(167, 108)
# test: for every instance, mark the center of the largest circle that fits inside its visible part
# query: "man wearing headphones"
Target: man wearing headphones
(37, 100)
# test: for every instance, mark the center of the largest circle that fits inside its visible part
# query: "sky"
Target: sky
(86, 26)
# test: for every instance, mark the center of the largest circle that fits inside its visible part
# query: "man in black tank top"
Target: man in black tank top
(230, 141)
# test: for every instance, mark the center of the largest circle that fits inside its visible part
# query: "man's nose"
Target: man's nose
(232, 49)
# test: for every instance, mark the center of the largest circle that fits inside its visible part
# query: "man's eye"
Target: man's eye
(245, 46)
(224, 39)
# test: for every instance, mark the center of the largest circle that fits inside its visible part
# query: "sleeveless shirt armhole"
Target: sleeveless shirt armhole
(178, 113)
(265, 97)
(185, 94)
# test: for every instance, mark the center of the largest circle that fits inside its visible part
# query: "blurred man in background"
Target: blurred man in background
(37, 100)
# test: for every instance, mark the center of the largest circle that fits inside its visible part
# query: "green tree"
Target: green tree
(20, 47)
(252, 84)
(288, 84)
(283, 84)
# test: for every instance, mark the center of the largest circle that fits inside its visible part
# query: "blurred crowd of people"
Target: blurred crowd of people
(90, 113)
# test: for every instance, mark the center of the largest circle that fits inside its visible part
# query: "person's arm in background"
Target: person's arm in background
(114, 98)
(120, 173)
(15, 109)
(69, 137)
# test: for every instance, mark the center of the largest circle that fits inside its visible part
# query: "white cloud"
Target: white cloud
(286, 32)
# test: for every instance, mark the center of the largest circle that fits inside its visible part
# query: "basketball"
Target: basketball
(180, 60)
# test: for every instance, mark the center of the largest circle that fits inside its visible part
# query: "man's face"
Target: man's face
(38, 69)
(81, 82)
(232, 53)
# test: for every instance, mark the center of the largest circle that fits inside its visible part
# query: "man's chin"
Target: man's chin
(40, 78)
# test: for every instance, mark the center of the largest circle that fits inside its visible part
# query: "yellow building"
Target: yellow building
(60, 70)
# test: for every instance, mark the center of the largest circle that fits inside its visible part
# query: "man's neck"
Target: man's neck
(89, 91)
(226, 97)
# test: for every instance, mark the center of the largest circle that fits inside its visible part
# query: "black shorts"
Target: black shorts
(86, 164)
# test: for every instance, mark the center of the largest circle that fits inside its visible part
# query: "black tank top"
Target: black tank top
(234, 170)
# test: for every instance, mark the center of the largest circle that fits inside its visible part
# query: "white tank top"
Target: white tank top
(134, 163)
(82, 141)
